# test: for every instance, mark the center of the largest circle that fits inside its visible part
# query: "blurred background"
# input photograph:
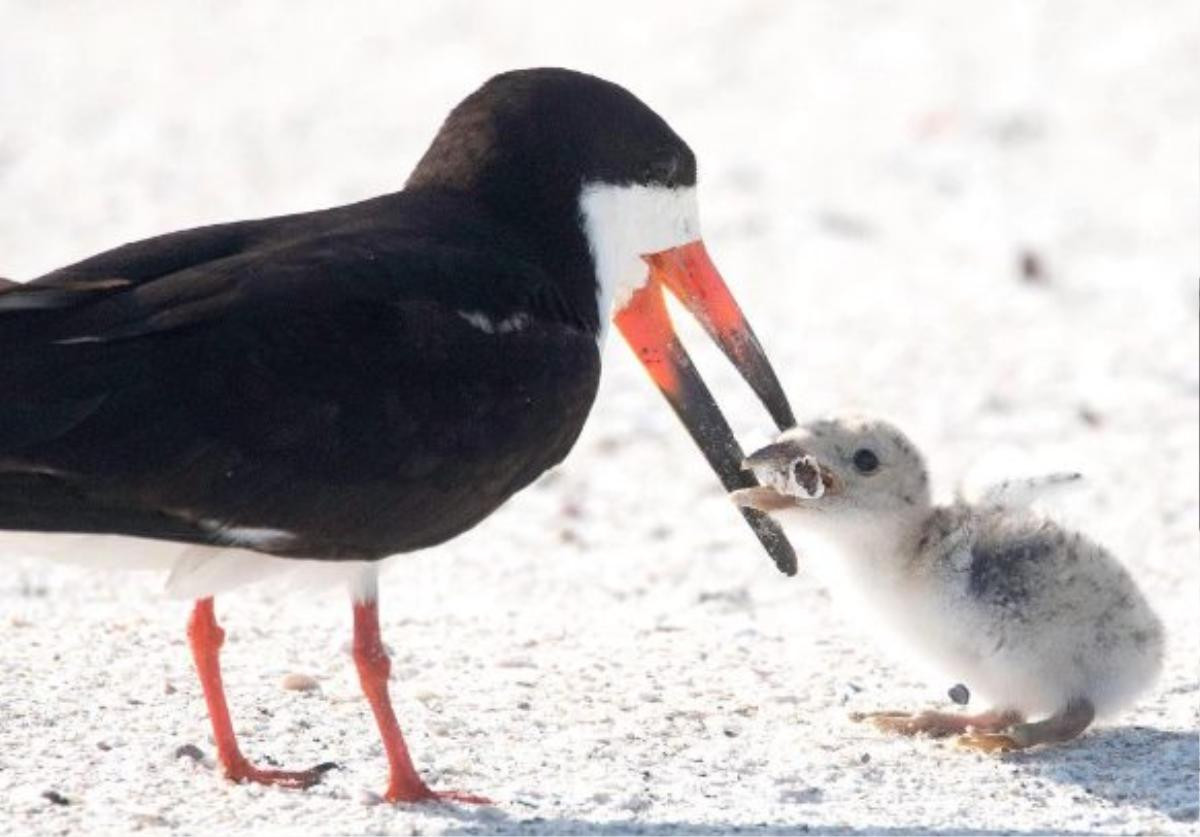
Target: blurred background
(979, 219)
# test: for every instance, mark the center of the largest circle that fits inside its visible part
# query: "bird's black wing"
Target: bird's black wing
(355, 382)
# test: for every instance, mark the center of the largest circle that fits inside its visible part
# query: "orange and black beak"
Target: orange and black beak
(691, 276)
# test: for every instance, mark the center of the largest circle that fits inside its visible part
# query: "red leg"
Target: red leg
(206, 638)
(404, 783)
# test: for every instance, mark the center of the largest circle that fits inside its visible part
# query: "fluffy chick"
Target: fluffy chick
(1037, 620)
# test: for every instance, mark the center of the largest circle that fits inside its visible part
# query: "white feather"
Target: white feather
(625, 223)
(487, 325)
(1022, 492)
(193, 571)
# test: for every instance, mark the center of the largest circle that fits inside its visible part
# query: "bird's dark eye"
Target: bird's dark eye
(865, 461)
(664, 171)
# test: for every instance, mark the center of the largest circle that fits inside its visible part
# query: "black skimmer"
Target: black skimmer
(372, 379)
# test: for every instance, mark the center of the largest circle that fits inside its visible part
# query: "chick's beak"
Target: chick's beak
(764, 463)
(774, 456)
(644, 322)
(762, 498)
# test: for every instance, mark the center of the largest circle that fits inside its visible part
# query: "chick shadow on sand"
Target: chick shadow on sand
(1136, 766)
(500, 823)
(622, 827)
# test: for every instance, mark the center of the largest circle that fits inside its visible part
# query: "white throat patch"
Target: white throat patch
(624, 223)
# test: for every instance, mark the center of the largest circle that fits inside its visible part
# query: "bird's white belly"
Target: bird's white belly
(192, 571)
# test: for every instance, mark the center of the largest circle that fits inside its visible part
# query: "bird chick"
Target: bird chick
(1040, 622)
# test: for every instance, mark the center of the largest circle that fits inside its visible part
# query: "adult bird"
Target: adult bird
(372, 379)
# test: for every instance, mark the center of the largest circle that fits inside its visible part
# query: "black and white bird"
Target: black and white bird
(334, 387)
(1033, 618)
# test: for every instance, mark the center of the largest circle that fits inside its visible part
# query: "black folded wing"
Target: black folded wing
(355, 382)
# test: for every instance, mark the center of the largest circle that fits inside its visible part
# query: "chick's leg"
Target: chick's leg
(1064, 725)
(940, 724)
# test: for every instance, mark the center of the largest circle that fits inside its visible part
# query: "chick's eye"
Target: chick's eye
(865, 461)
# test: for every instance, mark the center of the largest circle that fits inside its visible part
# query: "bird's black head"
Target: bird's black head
(545, 132)
(531, 144)
(604, 192)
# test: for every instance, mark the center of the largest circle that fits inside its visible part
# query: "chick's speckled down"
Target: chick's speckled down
(1032, 618)
(1038, 614)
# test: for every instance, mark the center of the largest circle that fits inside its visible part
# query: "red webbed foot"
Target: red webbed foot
(242, 771)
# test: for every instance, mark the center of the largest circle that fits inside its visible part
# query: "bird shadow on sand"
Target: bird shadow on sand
(1136, 765)
(474, 824)
(496, 821)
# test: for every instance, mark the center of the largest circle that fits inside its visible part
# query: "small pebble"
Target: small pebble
(636, 804)
(1090, 416)
(296, 682)
(140, 821)
(1032, 269)
(190, 751)
(804, 796)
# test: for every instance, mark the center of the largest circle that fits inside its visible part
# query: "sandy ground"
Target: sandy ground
(612, 652)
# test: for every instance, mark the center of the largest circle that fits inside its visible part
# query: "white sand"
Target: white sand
(613, 652)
